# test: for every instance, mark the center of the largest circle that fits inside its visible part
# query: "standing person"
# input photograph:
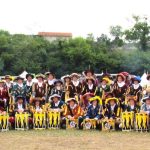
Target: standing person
(8, 83)
(77, 86)
(28, 84)
(146, 88)
(68, 88)
(120, 89)
(50, 79)
(19, 88)
(146, 106)
(4, 96)
(89, 86)
(39, 89)
(104, 88)
(58, 88)
(136, 89)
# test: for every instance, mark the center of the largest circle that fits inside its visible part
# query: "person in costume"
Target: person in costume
(85, 100)
(77, 86)
(146, 87)
(136, 89)
(120, 89)
(146, 106)
(112, 112)
(131, 105)
(50, 80)
(104, 88)
(39, 89)
(95, 110)
(90, 86)
(8, 83)
(29, 83)
(58, 88)
(56, 103)
(19, 89)
(68, 88)
(4, 96)
(72, 111)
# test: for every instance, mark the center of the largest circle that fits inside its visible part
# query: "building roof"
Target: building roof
(55, 34)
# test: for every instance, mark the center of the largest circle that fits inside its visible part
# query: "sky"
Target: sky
(80, 17)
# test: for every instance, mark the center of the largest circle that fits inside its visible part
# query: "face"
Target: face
(50, 77)
(74, 78)
(131, 102)
(119, 79)
(89, 74)
(55, 99)
(104, 82)
(67, 79)
(7, 80)
(90, 82)
(29, 78)
(136, 82)
(40, 79)
(71, 103)
(1, 84)
(94, 102)
(20, 81)
(37, 103)
(112, 102)
(148, 102)
(20, 101)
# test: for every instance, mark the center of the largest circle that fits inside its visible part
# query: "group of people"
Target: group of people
(76, 96)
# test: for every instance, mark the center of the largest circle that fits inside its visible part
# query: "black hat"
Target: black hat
(147, 97)
(48, 73)
(58, 81)
(20, 97)
(19, 78)
(29, 75)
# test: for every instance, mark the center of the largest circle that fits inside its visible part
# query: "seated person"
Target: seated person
(56, 104)
(72, 111)
(112, 111)
(131, 105)
(146, 106)
(95, 110)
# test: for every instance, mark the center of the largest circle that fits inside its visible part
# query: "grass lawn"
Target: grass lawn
(73, 140)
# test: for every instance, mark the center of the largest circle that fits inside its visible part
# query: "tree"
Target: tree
(139, 33)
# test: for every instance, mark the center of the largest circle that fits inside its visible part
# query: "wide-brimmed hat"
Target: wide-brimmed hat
(55, 95)
(109, 94)
(8, 77)
(137, 78)
(58, 81)
(75, 75)
(48, 73)
(88, 94)
(110, 99)
(99, 100)
(66, 76)
(2, 81)
(19, 78)
(106, 79)
(40, 75)
(20, 97)
(131, 97)
(89, 70)
(126, 74)
(71, 99)
(90, 78)
(148, 76)
(29, 75)
(147, 97)
(121, 75)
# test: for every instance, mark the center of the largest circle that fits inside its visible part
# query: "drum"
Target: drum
(71, 124)
(53, 119)
(39, 120)
(90, 124)
(142, 122)
(127, 121)
(4, 122)
(108, 124)
(22, 121)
